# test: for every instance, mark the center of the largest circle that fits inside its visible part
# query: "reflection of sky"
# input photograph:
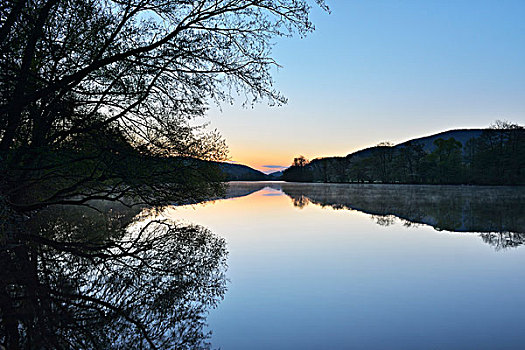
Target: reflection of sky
(386, 71)
(317, 278)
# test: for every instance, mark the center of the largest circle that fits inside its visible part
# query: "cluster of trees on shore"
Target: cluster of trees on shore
(495, 157)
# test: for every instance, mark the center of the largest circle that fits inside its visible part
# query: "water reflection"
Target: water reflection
(86, 279)
(498, 213)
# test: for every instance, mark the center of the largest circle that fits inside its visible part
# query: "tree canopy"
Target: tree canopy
(136, 72)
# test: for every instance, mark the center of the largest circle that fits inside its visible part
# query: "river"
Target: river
(334, 266)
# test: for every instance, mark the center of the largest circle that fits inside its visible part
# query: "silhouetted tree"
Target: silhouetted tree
(381, 162)
(408, 163)
(300, 161)
(498, 155)
(298, 171)
(130, 74)
(445, 161)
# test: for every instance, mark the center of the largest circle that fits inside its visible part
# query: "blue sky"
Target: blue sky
(385, 71)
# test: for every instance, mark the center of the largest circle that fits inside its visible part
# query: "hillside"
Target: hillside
(466, 156)
(239, 172)
(427, 142)
(460, 135)
(276, 175)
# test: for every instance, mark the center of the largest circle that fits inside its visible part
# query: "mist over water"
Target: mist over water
(338, 266)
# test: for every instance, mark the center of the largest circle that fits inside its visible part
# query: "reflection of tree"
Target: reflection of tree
(145, 287)
(384, 220)
(503, 240)
(408, 223)
(300, 202)
(451, 208)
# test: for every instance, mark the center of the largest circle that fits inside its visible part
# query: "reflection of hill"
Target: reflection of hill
(241, 189)
(496, 212)
(451, 208)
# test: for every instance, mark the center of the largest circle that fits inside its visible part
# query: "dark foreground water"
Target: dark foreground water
(368, 266)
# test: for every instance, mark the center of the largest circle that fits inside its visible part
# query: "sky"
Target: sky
(384, 70)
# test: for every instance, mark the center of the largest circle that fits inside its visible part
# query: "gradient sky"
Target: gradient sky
(385, 71)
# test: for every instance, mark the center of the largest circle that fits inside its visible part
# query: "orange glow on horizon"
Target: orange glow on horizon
(257, 159)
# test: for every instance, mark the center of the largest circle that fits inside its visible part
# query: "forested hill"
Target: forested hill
(239, 172)
(467, 156)
(461, 135)
(426, 143)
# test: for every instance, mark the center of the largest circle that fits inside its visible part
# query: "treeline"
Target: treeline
(495, 157)
(103, 165)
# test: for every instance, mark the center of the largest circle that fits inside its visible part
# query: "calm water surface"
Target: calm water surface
(368, 266)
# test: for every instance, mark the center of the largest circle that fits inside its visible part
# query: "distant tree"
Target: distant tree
(332, 169)
(339, 167)
(381, 166)
(498, 155)
(446, 161)
(504, 125)
(408, 162)
(300, 170)
(300, 161)
(359, 170)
